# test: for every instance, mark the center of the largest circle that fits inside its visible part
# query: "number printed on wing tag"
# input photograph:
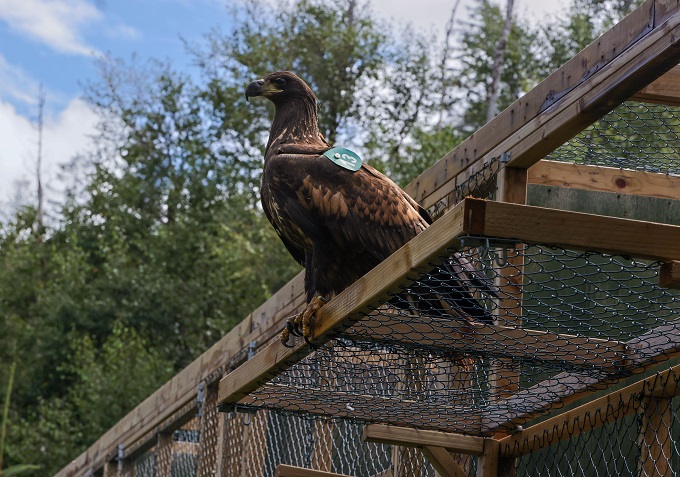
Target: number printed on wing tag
(344, 158)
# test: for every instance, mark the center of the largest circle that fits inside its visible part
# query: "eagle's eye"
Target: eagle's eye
(280, 81)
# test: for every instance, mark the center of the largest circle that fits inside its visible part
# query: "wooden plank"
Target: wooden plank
(641, 64)
(669, 275)
(443, 462)
(365, 407)
(605, 179)
(574, 230)
(283, 470)
(347, 307)
(408, 437)
(664, 90)
(450, 334)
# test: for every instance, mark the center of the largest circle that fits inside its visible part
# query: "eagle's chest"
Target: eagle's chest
(274, 201)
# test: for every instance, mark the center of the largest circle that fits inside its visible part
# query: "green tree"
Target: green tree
(476, 59)
(106, 383)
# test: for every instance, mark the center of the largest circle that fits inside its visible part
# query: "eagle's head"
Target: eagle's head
(280, 87)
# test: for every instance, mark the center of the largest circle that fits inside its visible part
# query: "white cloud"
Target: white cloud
(56, 23)
(17, 84)
(430, 14)
(64, 135)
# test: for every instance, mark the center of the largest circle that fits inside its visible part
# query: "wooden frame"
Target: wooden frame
(437, 447)
(634, 53)
(529, 224)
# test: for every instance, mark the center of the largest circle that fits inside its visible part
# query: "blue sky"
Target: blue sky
(56, 43)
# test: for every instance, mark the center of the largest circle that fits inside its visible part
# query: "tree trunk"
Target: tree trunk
(497, 69)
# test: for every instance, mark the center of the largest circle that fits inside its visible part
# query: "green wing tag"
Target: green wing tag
(344, 158)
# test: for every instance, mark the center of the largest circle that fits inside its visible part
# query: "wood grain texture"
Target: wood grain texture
(408, 437)
(605, 179)
(669, 275)
(537, 225)
(664, 90)
(443, 462)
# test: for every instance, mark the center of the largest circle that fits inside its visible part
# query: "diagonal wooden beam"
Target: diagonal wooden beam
(645, 351)
(449, 334)
(591, 415)
(348, 306)
(443, 462)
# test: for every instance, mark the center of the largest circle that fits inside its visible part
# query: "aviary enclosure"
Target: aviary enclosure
(570, 201)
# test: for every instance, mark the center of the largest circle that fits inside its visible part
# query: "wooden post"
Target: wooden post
(128, 468)
(487, 464)
(222, 439)
(110, 469)
(512, 187)
(164, 454)
(655, 437)
(207, 450)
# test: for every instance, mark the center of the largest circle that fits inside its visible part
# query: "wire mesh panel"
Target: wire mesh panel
(258, 442)
(430, 357)
(637, 136)
(634, 434)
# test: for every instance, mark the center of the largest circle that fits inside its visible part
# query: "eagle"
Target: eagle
(338, 222)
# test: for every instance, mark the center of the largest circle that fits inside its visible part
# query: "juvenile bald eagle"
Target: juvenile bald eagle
(339, 223)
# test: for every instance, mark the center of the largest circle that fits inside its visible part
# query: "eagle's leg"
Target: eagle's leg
(301, 323)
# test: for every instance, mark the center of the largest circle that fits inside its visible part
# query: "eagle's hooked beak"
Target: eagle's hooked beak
(254, 89)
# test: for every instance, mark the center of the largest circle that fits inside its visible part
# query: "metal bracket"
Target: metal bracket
(121, 457)
(487, 243)
(252, 346)
(505, 158)
(200, 397)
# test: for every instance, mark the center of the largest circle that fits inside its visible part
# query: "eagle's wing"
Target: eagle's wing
(360, 211)
(294, 249)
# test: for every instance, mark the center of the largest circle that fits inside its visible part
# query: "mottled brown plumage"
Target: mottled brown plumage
(337, 223)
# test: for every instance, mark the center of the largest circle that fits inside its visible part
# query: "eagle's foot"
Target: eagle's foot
(301, 323)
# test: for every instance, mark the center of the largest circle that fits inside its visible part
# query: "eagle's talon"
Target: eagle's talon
(309, 342)
(285, 336)
(292, 327)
